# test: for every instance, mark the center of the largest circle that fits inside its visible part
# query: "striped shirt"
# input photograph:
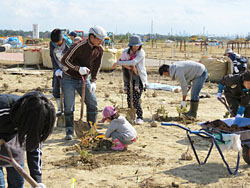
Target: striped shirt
(82, 54)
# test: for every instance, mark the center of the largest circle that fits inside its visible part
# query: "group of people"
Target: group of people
(27, 121)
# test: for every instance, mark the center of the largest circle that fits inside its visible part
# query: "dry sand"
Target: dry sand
(153, 160)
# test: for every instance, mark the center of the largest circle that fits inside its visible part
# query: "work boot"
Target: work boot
(118, 145)
(192, 113)
(69, 121)
(69, 133)
(59, 110)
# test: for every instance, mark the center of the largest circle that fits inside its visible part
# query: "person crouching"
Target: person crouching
(121, 131)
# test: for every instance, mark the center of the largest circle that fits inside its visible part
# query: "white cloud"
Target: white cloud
(217, 16)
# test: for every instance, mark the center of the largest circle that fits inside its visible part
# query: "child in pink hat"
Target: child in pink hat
(121, 131)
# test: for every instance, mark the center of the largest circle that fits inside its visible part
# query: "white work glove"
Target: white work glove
(92, 87)
(183, 104)
(83, 70)
(219, 96)
(41, 185)
(238, 115)
(58, 73)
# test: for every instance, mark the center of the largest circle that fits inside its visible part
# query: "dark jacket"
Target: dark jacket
(233, 87)
(82, 54)
(55, 62)
(8, 132)
(238, 61)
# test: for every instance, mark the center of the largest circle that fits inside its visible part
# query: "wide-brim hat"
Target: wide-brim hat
(228, 51)
(135, 40)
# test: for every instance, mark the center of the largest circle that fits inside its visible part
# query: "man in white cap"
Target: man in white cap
(82, 59)
(239, 62)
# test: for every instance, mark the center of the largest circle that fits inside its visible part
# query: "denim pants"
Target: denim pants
(14, 179)
(55, 87)
(71, 85)
(197, 86)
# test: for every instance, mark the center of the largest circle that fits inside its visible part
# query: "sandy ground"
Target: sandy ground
(152, 161)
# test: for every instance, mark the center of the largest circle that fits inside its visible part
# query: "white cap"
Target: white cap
(98, 31)
(228, 51)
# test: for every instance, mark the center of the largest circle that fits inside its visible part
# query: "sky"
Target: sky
(209, 17)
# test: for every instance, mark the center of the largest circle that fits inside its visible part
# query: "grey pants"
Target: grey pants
(116, 135)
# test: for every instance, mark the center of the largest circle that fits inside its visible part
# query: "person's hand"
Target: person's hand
(58, 73)
(183, 104)
(115, 65)
(219, 96)
(92, 87)
(41, 185)
(84, 70)
(238, 115)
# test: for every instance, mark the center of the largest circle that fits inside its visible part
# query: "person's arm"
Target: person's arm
(136, 60)
(35, 164)
(52, 56)
(110, 129)
(96, 66)
(70, 55)
(183, 82)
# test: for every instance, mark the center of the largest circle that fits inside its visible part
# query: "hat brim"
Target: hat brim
(136, 44)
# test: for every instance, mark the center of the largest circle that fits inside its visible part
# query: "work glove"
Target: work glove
(41, 185)
(92, 87)
(83, 70)
(219, 96)
(58, 73)
(183, 104)
(238, 115)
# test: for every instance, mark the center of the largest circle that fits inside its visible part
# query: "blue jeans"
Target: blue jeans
(14, 179)
(55, 86)
(71, 85)
(197, 85)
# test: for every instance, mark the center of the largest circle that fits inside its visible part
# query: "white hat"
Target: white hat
(98, 31)
(228, 51)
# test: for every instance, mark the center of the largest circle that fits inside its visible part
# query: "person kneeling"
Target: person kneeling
(121, 131)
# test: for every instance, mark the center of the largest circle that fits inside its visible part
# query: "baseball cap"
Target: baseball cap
(108, 111)
(72, 33)
(98, 31)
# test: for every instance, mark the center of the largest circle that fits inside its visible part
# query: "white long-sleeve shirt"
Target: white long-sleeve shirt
(139, 63)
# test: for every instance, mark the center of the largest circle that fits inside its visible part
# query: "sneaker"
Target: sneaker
(139, 121)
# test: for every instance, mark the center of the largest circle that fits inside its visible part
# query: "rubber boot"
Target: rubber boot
(69, 127)
(58, 104)
(192, 113)
(118, 145)
(92, 116)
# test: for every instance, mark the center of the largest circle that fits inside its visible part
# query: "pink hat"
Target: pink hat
(108, 111)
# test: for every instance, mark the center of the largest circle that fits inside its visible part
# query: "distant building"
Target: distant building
(35, 31)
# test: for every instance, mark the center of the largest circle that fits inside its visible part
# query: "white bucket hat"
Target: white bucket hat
(98, 31)
(228, 51)
(135, 40)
